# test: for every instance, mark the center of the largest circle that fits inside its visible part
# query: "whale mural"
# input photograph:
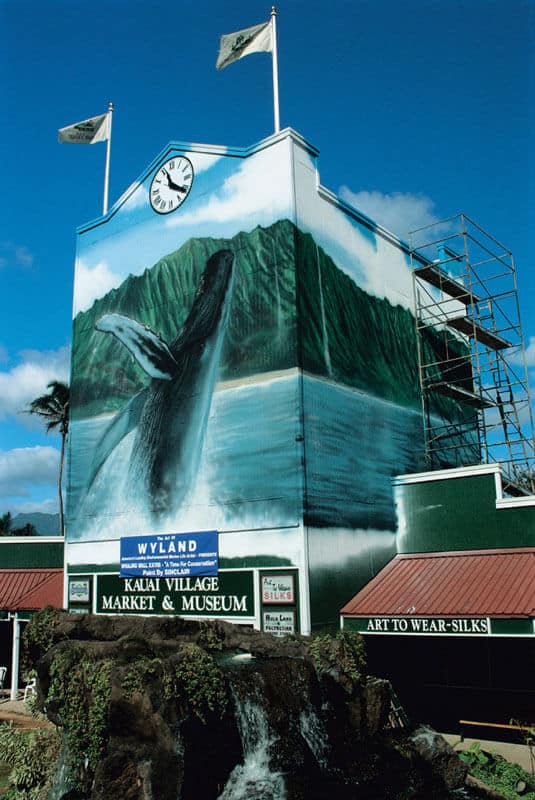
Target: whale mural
(247, 364)
(170, 414)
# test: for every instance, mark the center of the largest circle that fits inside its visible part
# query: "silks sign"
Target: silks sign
(229, 594)
(170, 555)
(452, 626)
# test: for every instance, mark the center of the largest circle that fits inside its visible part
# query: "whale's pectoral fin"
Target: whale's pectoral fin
(121, 426)
(150, 351)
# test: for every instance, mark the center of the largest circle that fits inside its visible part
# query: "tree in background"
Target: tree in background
(5, 524)
(54, 408)
(7, 529)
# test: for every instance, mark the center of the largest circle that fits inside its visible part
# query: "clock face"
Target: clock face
(171, 185)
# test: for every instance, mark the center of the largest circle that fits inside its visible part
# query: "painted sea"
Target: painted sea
(249, 475)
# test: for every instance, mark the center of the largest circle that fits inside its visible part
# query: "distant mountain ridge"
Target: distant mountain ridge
(44, 524)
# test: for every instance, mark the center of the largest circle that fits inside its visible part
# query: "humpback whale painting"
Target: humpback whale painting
(169, 416)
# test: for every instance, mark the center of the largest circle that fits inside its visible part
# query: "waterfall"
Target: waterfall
(254, 780)
(63, 780)
(314, 733)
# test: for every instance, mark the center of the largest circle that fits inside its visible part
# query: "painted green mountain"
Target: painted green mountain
(324, 322)
(261, 333)
(364, 341)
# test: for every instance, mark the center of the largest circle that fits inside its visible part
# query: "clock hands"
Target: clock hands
(173, 186)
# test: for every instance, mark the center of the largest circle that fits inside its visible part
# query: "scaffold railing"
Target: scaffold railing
(473, 375)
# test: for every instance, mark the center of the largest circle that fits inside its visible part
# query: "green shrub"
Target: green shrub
(498, 773)
(198, 679)
(344, 651)
(39, 632)
(80, 690)
(138, 673)
(210, 638)
(32, 756)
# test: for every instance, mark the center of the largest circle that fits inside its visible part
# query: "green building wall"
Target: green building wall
(460, 510)
(31, 553)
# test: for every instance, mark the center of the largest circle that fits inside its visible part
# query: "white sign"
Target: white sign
(278, 589)
(79, 591)
(279, 623)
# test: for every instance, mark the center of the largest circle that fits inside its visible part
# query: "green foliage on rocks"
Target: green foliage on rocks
(210, 638)
(32, 756)
(138, 673)
(192, 676)
(80, 690)
(39, 633)
(498, 773)
(197, 677)
(343, 651)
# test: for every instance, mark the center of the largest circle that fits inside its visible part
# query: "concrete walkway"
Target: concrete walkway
(16, 711)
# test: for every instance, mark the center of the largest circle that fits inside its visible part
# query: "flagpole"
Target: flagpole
(107, 168)
(275, 70)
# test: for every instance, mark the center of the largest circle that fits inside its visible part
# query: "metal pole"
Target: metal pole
(107, 168)
(275, 69)
(15, 658)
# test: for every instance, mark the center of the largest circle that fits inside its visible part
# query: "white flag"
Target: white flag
(95, 129)
(258, 39)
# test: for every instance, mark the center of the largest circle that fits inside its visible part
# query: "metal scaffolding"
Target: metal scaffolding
(473, 375)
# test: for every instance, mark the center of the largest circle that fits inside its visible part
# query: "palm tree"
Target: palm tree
(54, 408)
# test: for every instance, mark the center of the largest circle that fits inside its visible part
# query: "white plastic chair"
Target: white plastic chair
(3, 671)
(29, 690)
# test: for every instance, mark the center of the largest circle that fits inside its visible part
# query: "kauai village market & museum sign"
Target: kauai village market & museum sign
(178, 574)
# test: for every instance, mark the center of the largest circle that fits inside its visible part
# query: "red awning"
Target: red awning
(30, 589)
(473, 583)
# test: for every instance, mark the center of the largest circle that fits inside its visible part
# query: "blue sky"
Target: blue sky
(420, 109)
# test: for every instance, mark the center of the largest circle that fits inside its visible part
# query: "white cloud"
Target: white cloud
(29, 379)
(530, 352)
(516, 356)
(244, 194)
(23, 256)
(48, 506)
(139, 197)
(202, 161)
(92, 282)
(24, 468)
(397, 212)
(377, 267)
(17, 254)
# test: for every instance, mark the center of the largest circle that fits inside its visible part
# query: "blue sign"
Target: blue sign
(170, 555)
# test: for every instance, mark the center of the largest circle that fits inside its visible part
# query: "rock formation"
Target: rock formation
(174, 709)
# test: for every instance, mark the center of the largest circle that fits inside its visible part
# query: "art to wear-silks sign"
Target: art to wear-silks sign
(172, 555)
(455, 626)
